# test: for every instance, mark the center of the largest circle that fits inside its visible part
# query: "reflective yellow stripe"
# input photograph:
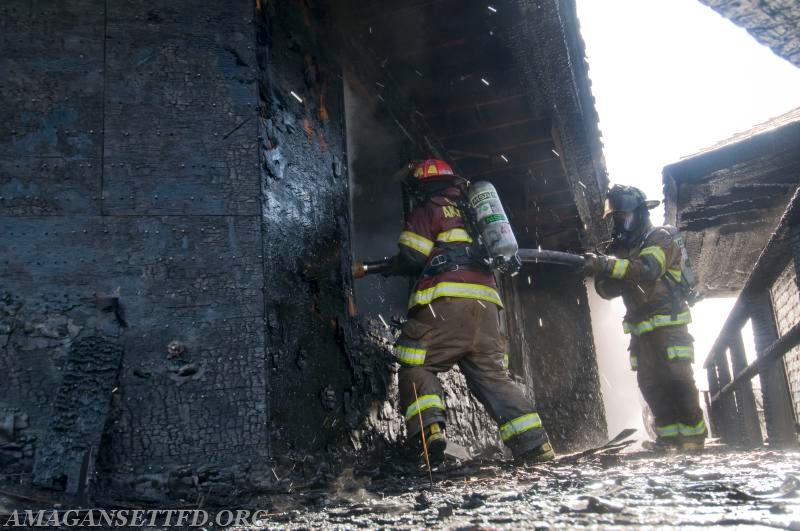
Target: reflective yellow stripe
(454, 235)
(416, 242)
(620, 267)
(455, 289)
(634, 362)
(689, 431)
(424, 402)
(670, 430)
(410, 355)
(676, 274)
(658, 253)
(505, 361)
(657, 321)
(519, 425)
(680, 352)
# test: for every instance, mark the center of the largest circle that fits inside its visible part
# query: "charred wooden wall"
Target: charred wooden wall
(552, 349)
(785, 298)
(132, 264)
(178, 220)
(727, 200)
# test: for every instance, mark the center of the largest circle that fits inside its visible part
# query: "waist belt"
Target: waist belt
(454, 258)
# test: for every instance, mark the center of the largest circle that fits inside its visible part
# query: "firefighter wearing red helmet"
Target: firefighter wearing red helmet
(644, 268)
(453, 318)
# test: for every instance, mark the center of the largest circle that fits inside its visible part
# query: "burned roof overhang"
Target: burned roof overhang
(773, 23)
(728, 200)
(502, 94)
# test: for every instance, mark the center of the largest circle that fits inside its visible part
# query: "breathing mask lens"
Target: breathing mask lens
(624, 221)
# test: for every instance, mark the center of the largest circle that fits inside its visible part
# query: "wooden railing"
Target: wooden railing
(731, 401)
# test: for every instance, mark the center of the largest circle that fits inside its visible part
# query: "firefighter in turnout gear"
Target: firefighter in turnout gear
(644, 266)
(453, 318)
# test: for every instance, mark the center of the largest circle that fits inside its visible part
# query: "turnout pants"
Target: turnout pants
(663, 361)
(467, 332)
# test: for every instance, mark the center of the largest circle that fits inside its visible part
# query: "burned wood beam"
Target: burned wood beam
(481, 116)
(545, 198)
(459, 90)
(477, 103)
(487, 128)
(504, 152)
(461, 45)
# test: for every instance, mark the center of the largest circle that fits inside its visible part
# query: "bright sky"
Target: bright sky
(670, 77)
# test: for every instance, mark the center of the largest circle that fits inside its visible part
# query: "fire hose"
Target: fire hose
(542, 256)
(526, 256)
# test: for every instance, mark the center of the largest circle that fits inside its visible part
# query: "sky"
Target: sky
(670, 77)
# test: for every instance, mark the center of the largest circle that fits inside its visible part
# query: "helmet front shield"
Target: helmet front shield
(607, 208)
(621, 202)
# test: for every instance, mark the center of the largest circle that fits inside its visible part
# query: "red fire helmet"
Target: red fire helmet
(430, 169)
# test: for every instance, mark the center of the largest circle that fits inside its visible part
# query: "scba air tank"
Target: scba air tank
(493, 225)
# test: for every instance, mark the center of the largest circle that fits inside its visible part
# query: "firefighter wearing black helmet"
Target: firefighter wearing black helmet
(643, 266)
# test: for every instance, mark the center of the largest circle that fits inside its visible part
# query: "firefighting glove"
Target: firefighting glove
(512, 266)
(594, 264)
(359, 271)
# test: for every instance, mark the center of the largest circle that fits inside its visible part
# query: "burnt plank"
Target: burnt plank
(181, 131)
(519, 156)
(216, 390)
(195, 282)
(180, 266)
(51, 79)
(41, 186)
(80, 411)
(495, 139)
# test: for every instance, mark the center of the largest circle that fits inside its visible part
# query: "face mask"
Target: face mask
(624, 221)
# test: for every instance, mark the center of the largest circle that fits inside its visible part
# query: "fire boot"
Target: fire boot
(541, 454)
(661, 445)
(435, 441)
(692, 445)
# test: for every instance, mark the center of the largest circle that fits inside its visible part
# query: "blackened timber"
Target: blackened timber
(498, 140)
(772, 23)
(778, 144)
(714, 407)
(772, 260)
(544, 126)
(455, 55)
(794, 234)
(520, 157)
(727, 405)
(563, 90)
(728, 198)
(305, 242)
(778, 410)
(749, 425)
(543, 176)
(466, 89)
(774, 351)
(479, 104)
(66, 456)
(463, 44)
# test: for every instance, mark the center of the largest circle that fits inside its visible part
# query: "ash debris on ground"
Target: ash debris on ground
(720, 489)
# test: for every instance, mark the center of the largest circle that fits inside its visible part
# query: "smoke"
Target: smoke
(377, 149)
(621, 396)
